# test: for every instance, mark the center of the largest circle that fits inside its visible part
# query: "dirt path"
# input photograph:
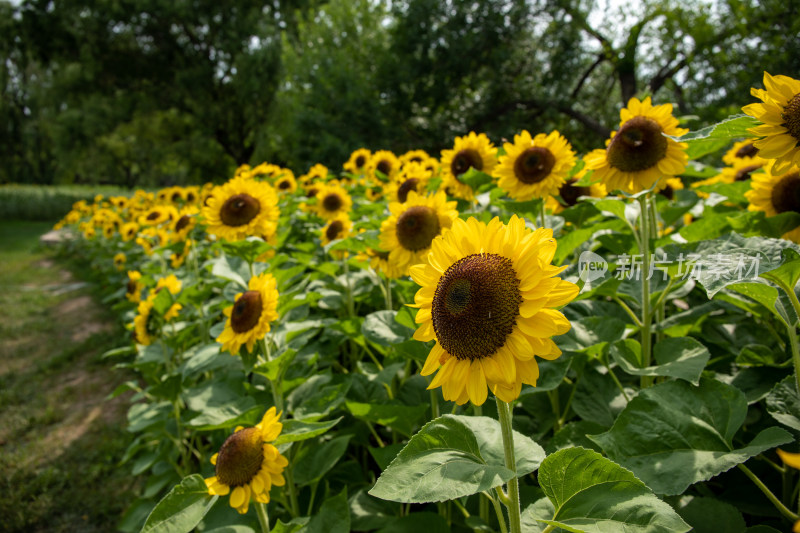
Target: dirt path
(60, 437)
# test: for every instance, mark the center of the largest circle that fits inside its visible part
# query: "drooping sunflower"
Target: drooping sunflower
(250, 316)
(470, 151)
(775, 194)
(639, 155)
(534, 167)
(408, 232)
(357, 163)
(379, 261)
(143, 324)
(240, 208)
(247, 465)
(133, 290)
(780, 114)
(487, 297)
(176, 260)
(332, 201)
(569, 193)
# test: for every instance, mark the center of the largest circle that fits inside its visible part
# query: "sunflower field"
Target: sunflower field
(509, 337)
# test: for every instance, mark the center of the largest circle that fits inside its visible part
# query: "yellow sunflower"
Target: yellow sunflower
(385, 162)
(470, 151)
(247, 466)
(317, 172)
(740, 170)
(185, 222)
(379, 261)
(780, 114)
(129, 230)
(569, 193)
(534, 167)
(250, 316)
(337, 228)
(332, 201)
(133, 290)
(119, 261)
(143, 327)
(743, 151)
(157, 215)
(176, 260)
(358, 161)
(413, 156)
(775, 194)
(639, 155)
(412, 177)
(286, 184)
(241, 208)
(487, 297)
(670, 186)
(408, 232)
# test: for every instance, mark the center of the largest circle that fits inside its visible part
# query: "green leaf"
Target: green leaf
(709, 515)
(416, 522)
(474, 178)
(783, 403)
(789, 272)
(231, 268)
(313, 462)
(591, 335)
(681, 357)
(401, 417)
(274, 368)
(182, 509)
(333, 516)
(451, 457)
(381, 328)
(733, 127)
(597, 398)
(297, 430)
(592, 494)
(674, 434)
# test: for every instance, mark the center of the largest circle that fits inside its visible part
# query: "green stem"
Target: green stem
(287, 472)
(348, 290)
(768, 493)
(388, 294)
(549, 528)
(375, 434)
(629, 311)
(499, 512)
(644, 219)
(460, 507)
(541, 214)
(615, 378)
(790, 329)
(504, 412)
(434, 405)
(263, 519)
(555, 404)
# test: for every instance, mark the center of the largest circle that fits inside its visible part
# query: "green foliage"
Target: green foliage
(51, 203)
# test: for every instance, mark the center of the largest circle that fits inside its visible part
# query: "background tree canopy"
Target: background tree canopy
(151, 93)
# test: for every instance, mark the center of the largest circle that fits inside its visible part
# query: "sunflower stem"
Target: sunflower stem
(790, 329)
(768, 493)
(499, 512)
(434, 405)
(348, 289)
(541, 214)
(295, 507)
(644, 243)
(263, 518)
(505, 412)
(388, 294)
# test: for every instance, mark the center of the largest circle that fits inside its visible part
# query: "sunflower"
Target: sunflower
(487, 297)
(639, 154)
(157, 215)
(133, 290)
(413, 156)
(408, 232)
(247, 466)
(780, 114)
(379, 261)
(385, 163)
(250, 316)
(534, 167)
(337, 228)
(317, 172)
(241, 208)
(143, 327)
(670, 186)
(185, 222)
(412, 177)
(740, 170)
(775, 194)
(358, 161)
(119, 261)
(176, 260)
(569, 194)
(332, 201)
(743, 151)
(286, 183)
(129, 230)
(470, 151)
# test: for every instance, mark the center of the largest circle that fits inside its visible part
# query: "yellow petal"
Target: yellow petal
(476, 386)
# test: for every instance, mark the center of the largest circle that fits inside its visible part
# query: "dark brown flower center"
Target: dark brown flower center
(744, 173)
(406, 187)
(311, 192)
(667, 192)
(131, 287)
(380, 254)
(332, 202)
(748, 150)
(534, 164)
(240, 457)
(476, 305)
(791, 117)
(190, 197)
(360, 161)
(570, 193)
(384, 166)
(154, 215)
(239, 209)
(182, 222)
(416, 227)
(284, 184)
(786, 193)
(335, 228)
(176, 196)
(464, 160)
(638, 145)
(246, 312)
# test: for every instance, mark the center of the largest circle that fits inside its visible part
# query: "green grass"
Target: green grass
(60, 439)
(48, 202)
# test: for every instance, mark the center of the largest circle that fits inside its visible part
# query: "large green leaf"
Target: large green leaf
(396, 415)
(182, 509)
(381, 328)
(681, 357)
(733, 127)
(708, 515)
(783, 403)
(296, 430)
(592, 494)
(451, 457)
(314, 461)
(789, 272)
(333, 516)
(674, 434)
